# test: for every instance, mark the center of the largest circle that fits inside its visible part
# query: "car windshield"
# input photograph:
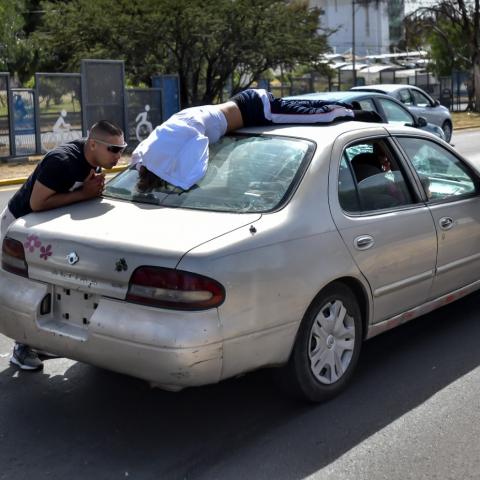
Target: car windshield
(246, 173)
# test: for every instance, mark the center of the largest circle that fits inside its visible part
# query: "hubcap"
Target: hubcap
(331, 342)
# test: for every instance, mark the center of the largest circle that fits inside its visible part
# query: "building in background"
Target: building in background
(378, 24)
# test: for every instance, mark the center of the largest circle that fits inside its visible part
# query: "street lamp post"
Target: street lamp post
(354, 71)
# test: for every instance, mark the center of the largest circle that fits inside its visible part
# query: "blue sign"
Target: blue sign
(170, 94)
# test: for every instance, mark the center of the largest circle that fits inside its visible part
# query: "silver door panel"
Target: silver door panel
(400, 265)
(401, 247)
(458, 262)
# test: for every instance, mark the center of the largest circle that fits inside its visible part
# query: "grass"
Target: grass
(466, 120)
(22, 168)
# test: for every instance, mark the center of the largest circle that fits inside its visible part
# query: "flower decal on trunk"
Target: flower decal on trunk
(32, 243)
(45, 252)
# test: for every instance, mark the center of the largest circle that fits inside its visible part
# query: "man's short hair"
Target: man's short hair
(106, 128)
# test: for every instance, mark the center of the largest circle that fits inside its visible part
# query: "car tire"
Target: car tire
(447, 130)
(327, 346)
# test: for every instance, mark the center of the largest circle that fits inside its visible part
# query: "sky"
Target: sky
(413, 4)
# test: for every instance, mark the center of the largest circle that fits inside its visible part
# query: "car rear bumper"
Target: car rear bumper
(173, 349)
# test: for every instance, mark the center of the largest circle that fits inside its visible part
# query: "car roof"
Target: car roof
(343, 96)
(382, 87)
(325, 134)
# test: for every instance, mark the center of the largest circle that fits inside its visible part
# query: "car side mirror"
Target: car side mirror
(421, 122)
(436, 103)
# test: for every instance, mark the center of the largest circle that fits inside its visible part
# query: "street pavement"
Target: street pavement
(412, 412)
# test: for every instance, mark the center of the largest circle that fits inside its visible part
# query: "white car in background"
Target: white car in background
(389, 109)
(419, 102)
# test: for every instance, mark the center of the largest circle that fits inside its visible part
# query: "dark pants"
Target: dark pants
(287, 111)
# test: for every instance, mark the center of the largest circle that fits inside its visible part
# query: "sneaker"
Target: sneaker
(25, 358)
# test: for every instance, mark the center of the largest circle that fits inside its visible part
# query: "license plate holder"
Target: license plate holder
(74, 306)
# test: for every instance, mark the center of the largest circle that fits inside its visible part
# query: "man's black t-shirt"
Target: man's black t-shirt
(63, 169)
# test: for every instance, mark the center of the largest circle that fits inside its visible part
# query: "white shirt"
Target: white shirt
(177, 150)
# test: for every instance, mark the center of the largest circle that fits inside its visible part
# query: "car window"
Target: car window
(420, 99)
(441, 173)
(367, 104)
(370, 178)
(394, 113)
(347, 190)
(246, 173)
(404, 97)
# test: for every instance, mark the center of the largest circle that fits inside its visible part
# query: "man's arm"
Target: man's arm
(44, 198)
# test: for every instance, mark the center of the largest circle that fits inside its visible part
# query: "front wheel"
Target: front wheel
(327, 347)
(447, 130)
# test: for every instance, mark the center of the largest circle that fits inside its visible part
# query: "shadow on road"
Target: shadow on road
(92, 423)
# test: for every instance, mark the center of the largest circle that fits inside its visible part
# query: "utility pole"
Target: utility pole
(354, 71)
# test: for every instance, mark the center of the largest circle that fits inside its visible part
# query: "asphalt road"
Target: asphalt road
(412, 412)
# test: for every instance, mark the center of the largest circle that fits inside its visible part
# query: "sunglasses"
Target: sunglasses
(112, 147)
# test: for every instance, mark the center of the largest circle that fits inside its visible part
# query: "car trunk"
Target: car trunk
(94, 247)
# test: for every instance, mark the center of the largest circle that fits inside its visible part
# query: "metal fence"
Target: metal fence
(170, 86)
(103, 92)
(143, 115)
(59, 109)
(5, 118)
(24, 121)
(314, 82)
(455, 91)
(462, 88)
(62, 106)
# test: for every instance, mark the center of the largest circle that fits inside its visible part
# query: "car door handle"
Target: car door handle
(446, 223)
(364, 242)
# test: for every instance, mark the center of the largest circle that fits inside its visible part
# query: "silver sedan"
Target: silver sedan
(419, 102)
(299, 243)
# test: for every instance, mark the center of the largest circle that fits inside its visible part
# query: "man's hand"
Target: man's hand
(44, 198)
(93, 185)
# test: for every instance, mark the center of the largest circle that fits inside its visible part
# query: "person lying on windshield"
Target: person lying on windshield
(177, 150)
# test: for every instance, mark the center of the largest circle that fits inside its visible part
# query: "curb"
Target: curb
(466, 128)
(19, 181)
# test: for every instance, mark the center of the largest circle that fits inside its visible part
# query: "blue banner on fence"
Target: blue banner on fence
(170, 93)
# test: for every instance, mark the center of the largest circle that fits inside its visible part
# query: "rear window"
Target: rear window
(245, 174)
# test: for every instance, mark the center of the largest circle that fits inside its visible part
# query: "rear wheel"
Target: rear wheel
(327, 347)
(447, 130)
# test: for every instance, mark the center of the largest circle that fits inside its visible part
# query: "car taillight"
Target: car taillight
(13, 257)
(168, 288)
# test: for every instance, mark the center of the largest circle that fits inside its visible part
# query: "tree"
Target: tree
(209, 43)
(451, 28)
(11, 33)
